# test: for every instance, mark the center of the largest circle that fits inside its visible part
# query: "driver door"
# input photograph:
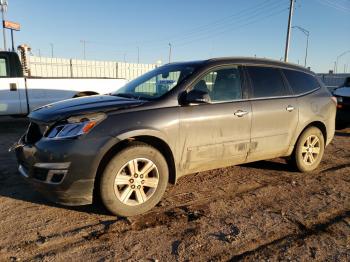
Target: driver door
(216, 134)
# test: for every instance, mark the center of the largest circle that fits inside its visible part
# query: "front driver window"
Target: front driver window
(222, 84)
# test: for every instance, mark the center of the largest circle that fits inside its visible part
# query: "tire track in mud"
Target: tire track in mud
(71, 237)
(239, 213)
(290, 239)
(191, 208)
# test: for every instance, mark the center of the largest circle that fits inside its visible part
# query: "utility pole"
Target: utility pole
(3, 4)
(338, 57)
(51, 44)
(307, 33)
(170, 47)
(124, 55)
(84, 48)
(39, 53)
(291, 8)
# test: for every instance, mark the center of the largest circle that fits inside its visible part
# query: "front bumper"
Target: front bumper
(62, 170)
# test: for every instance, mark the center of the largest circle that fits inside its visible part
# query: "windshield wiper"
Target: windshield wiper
(128, 95)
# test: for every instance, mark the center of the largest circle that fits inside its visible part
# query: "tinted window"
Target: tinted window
(300, 82)
(3, 71)
(266, 81)
(222, 84)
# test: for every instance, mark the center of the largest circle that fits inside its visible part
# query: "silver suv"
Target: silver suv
(178, 119)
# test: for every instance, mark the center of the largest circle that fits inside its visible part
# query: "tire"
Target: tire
(309, 150)
(122, 184)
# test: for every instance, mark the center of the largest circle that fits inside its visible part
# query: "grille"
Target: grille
(40, 173)
(35, 132)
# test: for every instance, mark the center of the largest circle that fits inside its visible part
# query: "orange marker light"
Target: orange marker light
(88, 126)
(339, 106)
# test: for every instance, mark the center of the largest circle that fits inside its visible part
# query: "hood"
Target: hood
(75, 106)
(342, 91)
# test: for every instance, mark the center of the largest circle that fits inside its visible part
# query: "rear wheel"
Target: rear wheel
(309, 150)
(134, 181)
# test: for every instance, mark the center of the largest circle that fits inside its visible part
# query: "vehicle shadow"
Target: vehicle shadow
(342, 133)
(17, 188)
(271, 165)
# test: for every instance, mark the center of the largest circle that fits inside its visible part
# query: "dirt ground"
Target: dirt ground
(253, 212)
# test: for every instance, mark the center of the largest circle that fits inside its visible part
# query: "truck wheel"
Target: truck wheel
(309, 150)
(134, 180)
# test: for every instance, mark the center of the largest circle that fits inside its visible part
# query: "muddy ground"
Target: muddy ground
(260, 211)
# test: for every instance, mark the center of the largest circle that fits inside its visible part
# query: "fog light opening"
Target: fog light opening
(55, 176)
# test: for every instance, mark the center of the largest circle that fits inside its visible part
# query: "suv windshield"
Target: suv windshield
(157, 82)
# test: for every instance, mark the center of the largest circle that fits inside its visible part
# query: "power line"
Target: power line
(334, 5)
(239, 19)
(253, 18)
(236, 27)
(236, 21)
(208, 28)
(220, 22)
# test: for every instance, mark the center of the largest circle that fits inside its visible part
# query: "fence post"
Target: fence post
(71, 67)
(116, 69)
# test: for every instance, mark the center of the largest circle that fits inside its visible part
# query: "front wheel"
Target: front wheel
(134, 180)
(309, 150)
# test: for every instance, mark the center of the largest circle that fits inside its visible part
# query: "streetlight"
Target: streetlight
(124, 56)
(84, 47)
(51, 44)
(138, 55)
(338, 57)
(170, 47)
(307, 33)
(3, 6)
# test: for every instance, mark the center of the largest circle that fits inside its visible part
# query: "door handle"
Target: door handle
(13, 87)
(290, 108)
(240, 113)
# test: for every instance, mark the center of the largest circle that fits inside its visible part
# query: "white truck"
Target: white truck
(19, 95)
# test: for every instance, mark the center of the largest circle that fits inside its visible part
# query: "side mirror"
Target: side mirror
(196, 96)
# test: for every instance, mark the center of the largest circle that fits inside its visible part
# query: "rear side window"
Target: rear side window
(3, 70)
(300, 82)
(266, 81)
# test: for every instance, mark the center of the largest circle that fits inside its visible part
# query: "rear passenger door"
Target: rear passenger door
(274, 113)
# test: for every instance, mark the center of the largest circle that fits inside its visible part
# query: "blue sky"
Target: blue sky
(197, 29)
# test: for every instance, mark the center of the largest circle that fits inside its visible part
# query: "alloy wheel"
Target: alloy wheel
(136, 181)
(311, 150)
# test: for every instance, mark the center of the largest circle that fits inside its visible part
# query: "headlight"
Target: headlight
(339, 99)
(76, 126)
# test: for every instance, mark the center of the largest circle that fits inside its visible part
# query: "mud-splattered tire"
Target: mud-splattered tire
(309, 150)
(134, 180)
